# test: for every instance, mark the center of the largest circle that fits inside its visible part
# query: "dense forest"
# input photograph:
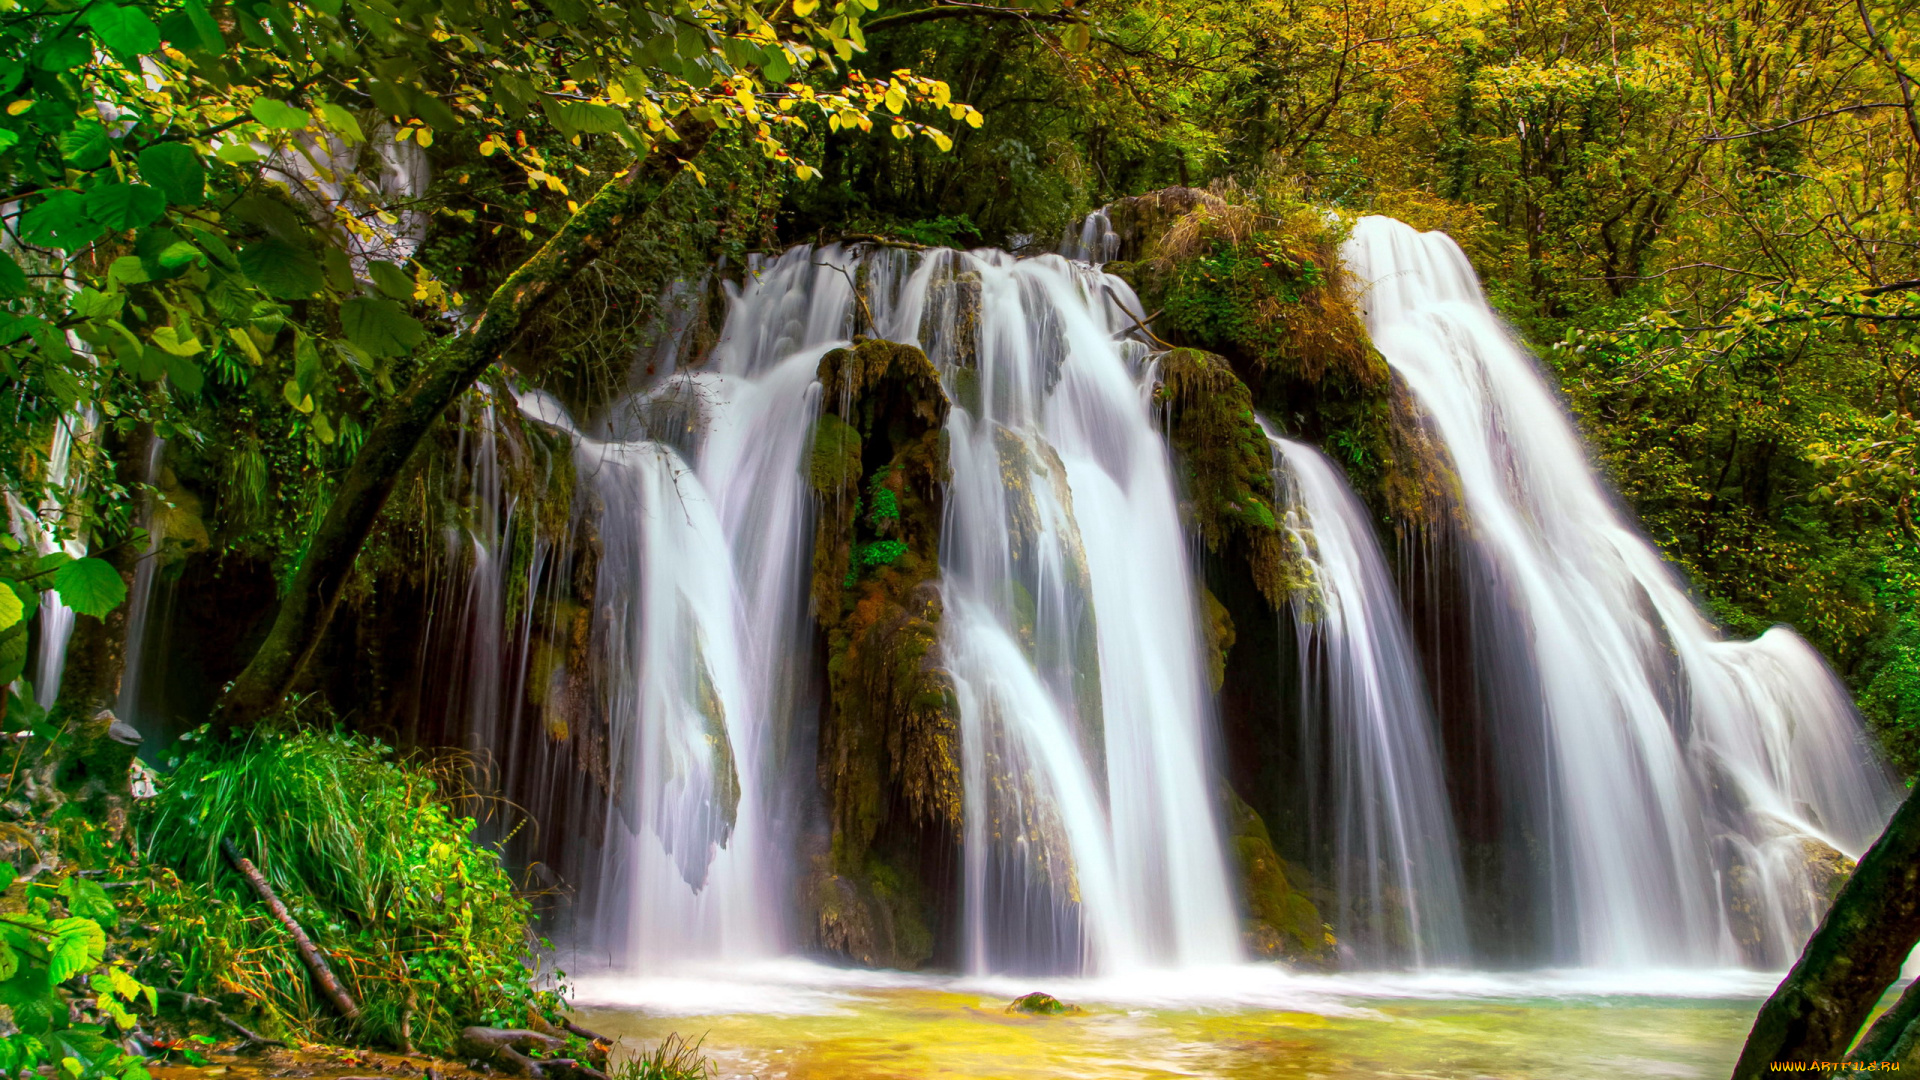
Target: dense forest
(280, 279)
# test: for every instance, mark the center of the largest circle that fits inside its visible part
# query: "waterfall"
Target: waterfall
(1368, 731)
(1090, 841)
(1686, 775)
(1091, 838)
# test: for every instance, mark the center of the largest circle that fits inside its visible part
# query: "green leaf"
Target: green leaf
(90, 586)
(127, 270)
(60, 221)
(587, 118)
(125, 206)
(184, 373)
(85, 145)
(342, 121)
(12, 611)
(7, 873)
(177, 171)
(13, 653)
(78, 945)
(237, 153)
(90, 303)
(282, 270)
(9, 960)
(391, 280)
(13, 280)
(381, 327)
(29, 598)
(125, 30)
(279, 115)
(64, 53)
(88, 901)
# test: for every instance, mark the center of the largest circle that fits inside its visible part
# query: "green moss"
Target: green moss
(1217, 625)
(1228, 462)
(1282, 922)
(835, 463)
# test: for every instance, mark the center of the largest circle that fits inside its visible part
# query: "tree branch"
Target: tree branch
(1804, 120)
(445, 374)
(955, 9)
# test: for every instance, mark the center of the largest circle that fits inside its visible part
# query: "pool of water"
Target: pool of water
(804, 1022)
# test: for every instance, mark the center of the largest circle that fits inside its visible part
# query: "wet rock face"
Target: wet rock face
(1746, 894)
(889, 757)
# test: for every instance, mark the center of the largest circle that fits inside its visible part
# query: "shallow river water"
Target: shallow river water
(799, 1021)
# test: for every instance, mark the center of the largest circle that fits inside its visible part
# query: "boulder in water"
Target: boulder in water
(1039, 1004)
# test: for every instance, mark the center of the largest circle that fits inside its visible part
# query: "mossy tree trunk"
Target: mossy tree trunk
(1850, 960)
(445, 374)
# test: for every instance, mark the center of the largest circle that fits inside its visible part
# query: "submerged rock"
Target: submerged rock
(1039, 1004)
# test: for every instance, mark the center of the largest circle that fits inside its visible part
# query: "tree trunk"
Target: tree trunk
(445, 375)
(1850, 960)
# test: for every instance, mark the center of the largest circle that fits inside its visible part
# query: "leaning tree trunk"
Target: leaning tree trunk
(1850, 960)
(310, 602)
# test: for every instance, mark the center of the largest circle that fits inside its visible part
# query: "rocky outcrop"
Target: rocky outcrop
(889, 756)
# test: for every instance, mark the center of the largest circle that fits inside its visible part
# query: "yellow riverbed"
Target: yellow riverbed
(814, 1024)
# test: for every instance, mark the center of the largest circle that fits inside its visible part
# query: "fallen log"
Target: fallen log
(316, 964)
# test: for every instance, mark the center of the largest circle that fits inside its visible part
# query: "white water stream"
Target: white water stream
(1368, 731)
(1679, 764)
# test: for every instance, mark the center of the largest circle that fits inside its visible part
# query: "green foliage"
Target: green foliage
(53, 959)
(372, 858)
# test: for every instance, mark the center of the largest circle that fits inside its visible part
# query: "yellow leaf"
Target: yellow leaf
(423, 136)
(974, 118)
(804, 8)
(900, 132)
(896, 99)
(19, 107)
(804, 172)
(531, 216)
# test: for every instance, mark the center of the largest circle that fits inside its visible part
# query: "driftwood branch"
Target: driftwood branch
(1850, 960)
(316, 964)
(511, 1049)
(951, 9)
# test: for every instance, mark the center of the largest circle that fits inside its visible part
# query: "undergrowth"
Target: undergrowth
(370, 856)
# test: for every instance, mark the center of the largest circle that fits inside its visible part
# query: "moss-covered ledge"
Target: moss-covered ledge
(889, 745)
(1227, 467)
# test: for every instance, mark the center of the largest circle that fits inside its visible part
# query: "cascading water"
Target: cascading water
(1369, 733)
(1090, 841)
(1686, 774)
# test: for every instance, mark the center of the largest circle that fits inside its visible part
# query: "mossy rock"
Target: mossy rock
(1039, 1004)
(875, 916)
(1282, 922)
(1228, 463)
